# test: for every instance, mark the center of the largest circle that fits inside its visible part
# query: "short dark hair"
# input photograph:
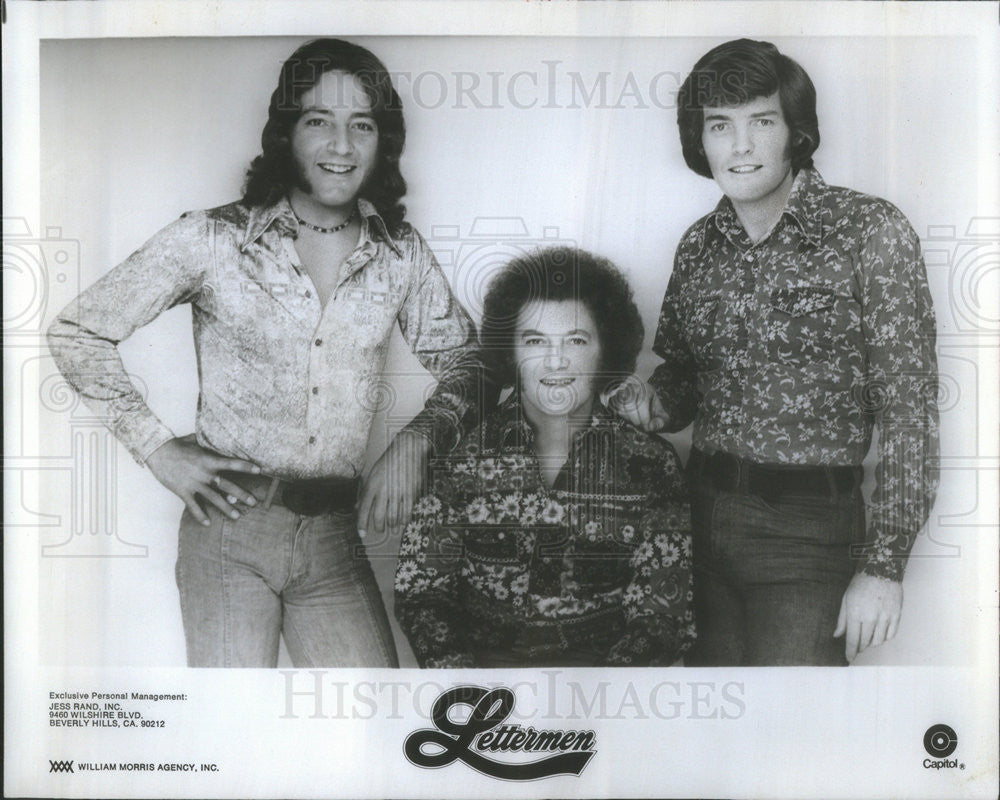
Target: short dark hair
(735, 73)
(274, 172)
(560, 274)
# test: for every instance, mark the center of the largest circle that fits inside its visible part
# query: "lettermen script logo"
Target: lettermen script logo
(483, 732)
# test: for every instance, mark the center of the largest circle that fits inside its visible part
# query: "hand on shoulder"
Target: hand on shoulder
(636, 402)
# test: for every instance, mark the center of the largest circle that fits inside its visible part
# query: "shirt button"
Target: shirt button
(319, 342)
(312, 440)
(315, 390)
(748, 256)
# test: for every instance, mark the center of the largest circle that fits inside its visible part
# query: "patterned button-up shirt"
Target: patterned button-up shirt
(284, 382)
(493, 559)
(791, 349)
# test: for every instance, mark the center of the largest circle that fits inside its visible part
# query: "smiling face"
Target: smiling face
(748, 151)
(558, 356)
(335, 147)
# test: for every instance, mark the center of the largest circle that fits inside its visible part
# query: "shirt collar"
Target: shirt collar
(281, 216)
(512, 426)
(805, 207)
(806, 204)
(513, 429)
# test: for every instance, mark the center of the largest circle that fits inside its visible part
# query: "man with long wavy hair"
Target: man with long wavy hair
(294, 292)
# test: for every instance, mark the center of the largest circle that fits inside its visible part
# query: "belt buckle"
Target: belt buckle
(304, 500)
(343, 495)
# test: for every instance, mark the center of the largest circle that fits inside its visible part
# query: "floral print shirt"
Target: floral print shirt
(494, 559)
(790, 350)
(284, 382)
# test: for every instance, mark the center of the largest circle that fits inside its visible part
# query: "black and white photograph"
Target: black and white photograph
(502, 399)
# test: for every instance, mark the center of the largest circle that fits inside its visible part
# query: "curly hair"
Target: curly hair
(562, 274)
(273, 173)
(735, 73)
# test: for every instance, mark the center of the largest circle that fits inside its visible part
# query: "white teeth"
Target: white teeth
(742, 170)
(336, 169)
(557, 381)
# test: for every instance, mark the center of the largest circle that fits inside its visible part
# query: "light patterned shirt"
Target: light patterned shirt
(790, 350)
(284, 382)
(493, 559)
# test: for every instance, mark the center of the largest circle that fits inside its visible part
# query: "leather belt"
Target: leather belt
(773, 481)
(308, 497)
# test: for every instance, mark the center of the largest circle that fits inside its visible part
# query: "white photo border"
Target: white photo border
(340, 733)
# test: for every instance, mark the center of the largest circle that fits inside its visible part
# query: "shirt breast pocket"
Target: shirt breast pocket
(702, 330)
(802, 324)
(489, 546)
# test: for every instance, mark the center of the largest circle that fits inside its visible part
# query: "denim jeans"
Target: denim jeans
(272, 572)
(769, 575)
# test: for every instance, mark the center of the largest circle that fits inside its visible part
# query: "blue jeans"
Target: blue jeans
(243, 583)
(769, 574)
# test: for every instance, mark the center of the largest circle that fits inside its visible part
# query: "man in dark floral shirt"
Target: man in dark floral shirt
(796, 318)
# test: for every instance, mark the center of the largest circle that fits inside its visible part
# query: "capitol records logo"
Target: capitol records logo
(484, 731)
(941, 741)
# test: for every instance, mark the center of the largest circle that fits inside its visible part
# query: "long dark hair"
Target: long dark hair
(273, 172)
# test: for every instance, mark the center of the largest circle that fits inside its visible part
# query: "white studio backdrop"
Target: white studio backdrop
(512, 142)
